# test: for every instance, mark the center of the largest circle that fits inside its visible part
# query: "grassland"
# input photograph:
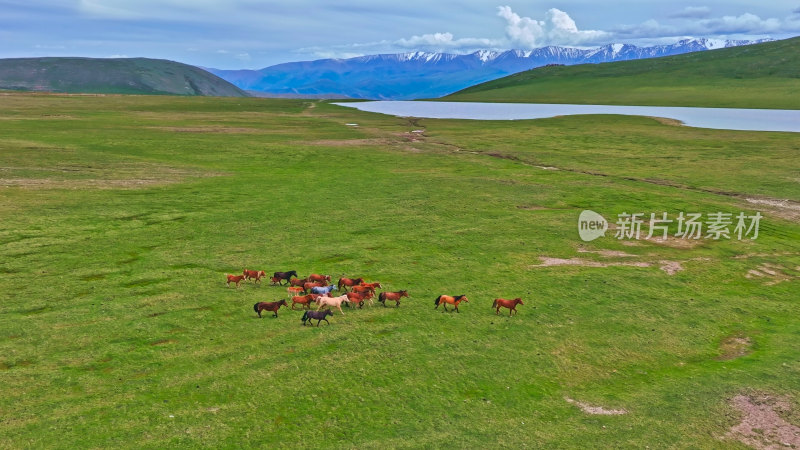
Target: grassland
(755, 76)
(121, 215)
(111, 76)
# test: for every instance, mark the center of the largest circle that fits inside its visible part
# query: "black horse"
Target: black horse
(285, 275)
(318, 315)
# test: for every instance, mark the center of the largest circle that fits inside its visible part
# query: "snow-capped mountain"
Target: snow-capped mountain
(405, 76)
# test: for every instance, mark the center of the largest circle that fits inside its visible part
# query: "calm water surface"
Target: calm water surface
(720, 118)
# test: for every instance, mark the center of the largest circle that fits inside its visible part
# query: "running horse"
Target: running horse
(269, 306)
(319, 316)
(332, 301)
(234, 279)
(304, 300)
(510, 304)
(323, 290)
(294, 290)
(253, 275)
(320, 278)
(349, 282)
(445, 299)
(396, 296)
(285, 275)
(358, 299)
(362, 289)
(297, 281)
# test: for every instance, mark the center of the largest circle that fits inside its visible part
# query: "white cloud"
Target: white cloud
(745, 23)
(692, 12)
(557, 28)
(741, 25)
(443, 41)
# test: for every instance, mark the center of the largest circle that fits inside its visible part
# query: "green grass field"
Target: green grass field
(754, 76)
(122, 215)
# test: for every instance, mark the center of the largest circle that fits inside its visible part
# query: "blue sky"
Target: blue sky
(231, 34)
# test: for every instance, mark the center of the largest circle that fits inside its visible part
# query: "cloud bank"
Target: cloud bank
(556, 27)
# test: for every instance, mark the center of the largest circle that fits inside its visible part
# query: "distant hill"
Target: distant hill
(111, 76)
(765, 75)
(406, 76)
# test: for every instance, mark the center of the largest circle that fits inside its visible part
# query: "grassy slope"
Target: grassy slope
(757, 76)
(122, 215)
(112, 76)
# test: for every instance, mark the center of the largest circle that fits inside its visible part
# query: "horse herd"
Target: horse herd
(316, 289)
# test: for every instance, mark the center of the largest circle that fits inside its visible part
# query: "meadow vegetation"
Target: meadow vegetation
(121, 216)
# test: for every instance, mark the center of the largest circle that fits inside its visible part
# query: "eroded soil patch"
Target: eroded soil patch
(595, 410)
(734, 346)
(762, 426)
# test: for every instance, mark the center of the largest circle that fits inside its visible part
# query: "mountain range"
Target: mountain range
(407, 76)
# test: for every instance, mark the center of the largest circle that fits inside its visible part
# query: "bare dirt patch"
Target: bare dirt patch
(666, 121)
(670, 267)
(734, 346)
(607, 253)
(674, 242)
(786, 209)
(770, 273)
(762, 426)
(550, 262)
(595, 410)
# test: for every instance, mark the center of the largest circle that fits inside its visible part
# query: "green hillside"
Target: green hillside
(122, 215)
(756, 76)
(111, 76)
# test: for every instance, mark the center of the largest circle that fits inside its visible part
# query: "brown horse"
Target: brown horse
(320, 278)
(297, 281)
(396, 296)
(294, 290)
(510, 304)
(358, 299)
(349, 282)
(375, 285)
(445, 299)
(269, 306)
(234, 279)
(253, 275)
(304, 300)
(361, 289)
(274, 281)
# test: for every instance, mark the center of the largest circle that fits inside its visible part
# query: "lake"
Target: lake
(719, 118)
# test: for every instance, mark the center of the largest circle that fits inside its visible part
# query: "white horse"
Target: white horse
(333, 301)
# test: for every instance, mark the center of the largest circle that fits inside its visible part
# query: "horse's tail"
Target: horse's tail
(255, 307)
(437, 300)
(305, 316)
(494, 304)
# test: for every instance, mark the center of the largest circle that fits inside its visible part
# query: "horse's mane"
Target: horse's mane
(459, 297)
